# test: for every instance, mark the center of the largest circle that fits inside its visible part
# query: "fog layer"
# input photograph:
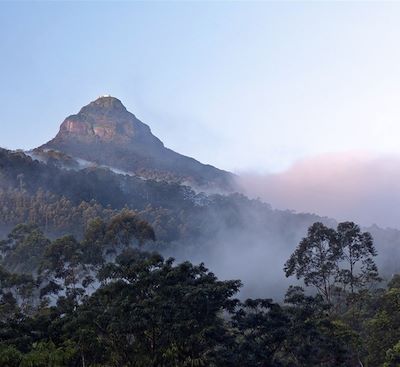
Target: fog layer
(346, 186)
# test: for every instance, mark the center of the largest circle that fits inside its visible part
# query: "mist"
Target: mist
(253, 245)
(236, 238)
(329, 188)
(247, 240)
(346, 186)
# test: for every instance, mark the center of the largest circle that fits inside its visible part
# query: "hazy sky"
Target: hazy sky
(243, 86)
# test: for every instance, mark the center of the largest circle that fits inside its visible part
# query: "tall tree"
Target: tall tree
(358, 268)
(315, 260)
(334, 261)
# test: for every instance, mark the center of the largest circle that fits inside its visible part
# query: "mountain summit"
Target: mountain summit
(105, 120)
(106, 133)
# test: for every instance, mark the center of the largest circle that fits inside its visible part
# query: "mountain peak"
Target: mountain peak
(104, 103)
(103, 120)
(106, 133)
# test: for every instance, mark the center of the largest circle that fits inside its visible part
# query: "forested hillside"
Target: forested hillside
(219, 229)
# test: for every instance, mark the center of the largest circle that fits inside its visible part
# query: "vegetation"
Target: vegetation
(63, 201)
(336, 262)
(81, 285)
(105, 301)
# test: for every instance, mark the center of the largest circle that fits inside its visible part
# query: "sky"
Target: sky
(247, 87)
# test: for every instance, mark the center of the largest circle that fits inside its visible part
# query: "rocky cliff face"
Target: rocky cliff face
(104, 120)
(105, 133)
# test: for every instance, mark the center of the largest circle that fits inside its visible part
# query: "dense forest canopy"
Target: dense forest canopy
(104, 300)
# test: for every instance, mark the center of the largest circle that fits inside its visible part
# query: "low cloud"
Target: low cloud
(345, 186)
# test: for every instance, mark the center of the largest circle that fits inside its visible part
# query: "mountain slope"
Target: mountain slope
(105, 133)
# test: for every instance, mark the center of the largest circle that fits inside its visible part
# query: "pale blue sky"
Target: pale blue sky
(243, 86)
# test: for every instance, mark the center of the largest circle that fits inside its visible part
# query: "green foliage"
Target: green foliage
(357, 250)
(314, 336)
(103, 301)
(383, 328)
(334, 261)
(393, 356)
(52, 213)
(46, 354)
(262, 328)
(10, 356)
(26, 241)
(171, 313)
(316, 260)
(148, 311)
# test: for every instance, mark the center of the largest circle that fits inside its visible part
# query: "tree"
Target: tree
(125, 228)
(358, 268)
(393, 356)
(46, 354)
(261, 331)
(334, 261)
(316, 260)
(313, 337)
(383, 328)
(63, 268)
(16, 294)
(10, 356)
(93, 242)
(151, 312)
(25, 241)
